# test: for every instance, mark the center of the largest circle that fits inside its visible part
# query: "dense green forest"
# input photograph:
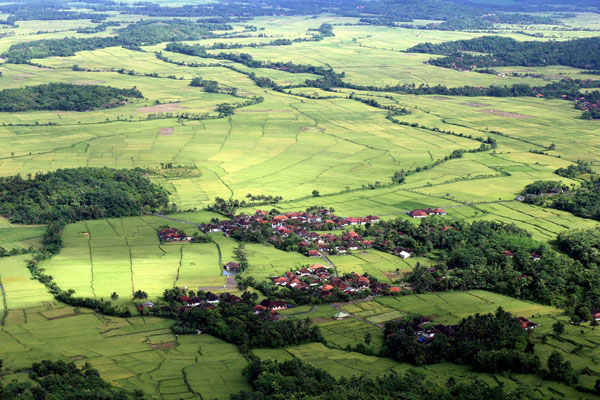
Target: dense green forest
(134, 35)
(582, 244)
(64, 97)
(59, 380)
(476, 340)
(502, 51)
(77, 194)
(295, 379)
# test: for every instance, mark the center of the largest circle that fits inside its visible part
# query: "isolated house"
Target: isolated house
(526, 324)
(418, 214)
(275, 305)
(212, 298)
(404, 254)
(232, 267)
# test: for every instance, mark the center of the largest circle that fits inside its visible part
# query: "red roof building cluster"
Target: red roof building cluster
(303, 225)
(171, 235)
(425, 212)
(319, 280)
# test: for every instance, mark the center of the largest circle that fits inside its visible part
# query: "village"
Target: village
(320, 281)
(298, 231)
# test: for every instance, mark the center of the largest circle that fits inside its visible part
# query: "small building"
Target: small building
(404, 254)
(341, 315)
(232, 267)
(212, 298)
(314, 253)
(419, 214)
(194, 301)
(526, 324)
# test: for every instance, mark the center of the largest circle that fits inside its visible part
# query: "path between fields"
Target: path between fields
(338, 307)
(4, 304)
(328, 261)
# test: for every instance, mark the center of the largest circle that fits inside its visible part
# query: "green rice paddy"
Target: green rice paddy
(288, 145)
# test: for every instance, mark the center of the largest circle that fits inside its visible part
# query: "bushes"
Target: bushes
(506, 360)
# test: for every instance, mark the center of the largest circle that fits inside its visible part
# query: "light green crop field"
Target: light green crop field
(135, 353)
(124, 255)
(297, 140)
(446, 308)
(346, 364)
(18, 288)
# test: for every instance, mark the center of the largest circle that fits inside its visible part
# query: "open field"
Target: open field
(346, 364)
(447, 308)
(289, 145)
(125, 255)
(135, 353)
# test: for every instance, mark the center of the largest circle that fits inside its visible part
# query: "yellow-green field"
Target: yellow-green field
(295, 141)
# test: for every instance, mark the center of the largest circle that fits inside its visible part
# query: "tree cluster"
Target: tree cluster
(488, 255)
(78, 194)
(59, 380)
(503, 51)
(490, 342)
(64, 97)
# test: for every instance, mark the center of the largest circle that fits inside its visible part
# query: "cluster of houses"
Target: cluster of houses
(270, 307)
(206, 301)
(303, 225)
(172, 235)
(426, 212)
(586, 105)
(319, 280)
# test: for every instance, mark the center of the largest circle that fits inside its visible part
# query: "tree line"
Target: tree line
(502, 51)
(134, 35)
(234, 322)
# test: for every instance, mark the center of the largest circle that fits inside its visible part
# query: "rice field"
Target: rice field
(134, 353)
(123, 255)
(347, 364)
(288, 145)
(446, 308)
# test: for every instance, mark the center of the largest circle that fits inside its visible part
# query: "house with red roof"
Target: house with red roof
(419, 214)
